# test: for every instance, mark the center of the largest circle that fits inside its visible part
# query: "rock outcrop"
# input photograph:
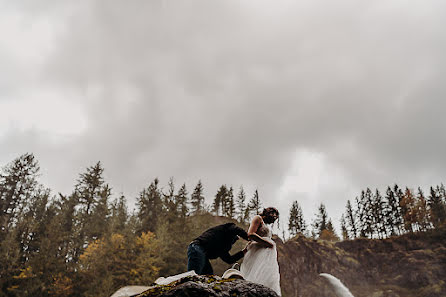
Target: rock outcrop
(412, 265)
(209, 286)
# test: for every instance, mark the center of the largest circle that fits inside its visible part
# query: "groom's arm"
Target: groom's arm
(232, 259)
(236, 230)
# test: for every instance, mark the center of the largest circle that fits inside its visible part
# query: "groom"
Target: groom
(213, 243)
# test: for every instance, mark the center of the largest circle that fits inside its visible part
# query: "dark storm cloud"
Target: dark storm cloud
(229, 91)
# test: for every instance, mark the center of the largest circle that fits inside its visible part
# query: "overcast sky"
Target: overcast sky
(305, 100)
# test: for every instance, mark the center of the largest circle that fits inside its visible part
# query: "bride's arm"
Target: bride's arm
(252, 235)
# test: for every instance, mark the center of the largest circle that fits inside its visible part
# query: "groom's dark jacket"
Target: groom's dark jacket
(217, 242)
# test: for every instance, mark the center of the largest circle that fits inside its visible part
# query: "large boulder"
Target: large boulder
(209, 286)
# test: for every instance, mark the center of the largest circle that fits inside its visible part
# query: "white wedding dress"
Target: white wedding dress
(260, 263)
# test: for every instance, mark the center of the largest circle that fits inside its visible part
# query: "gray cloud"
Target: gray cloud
(228, 92)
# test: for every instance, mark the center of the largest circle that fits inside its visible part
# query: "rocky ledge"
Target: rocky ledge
(209, 286)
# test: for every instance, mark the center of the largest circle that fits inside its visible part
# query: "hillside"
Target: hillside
(412, 265)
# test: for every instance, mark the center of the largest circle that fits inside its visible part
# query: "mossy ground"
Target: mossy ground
(209, 281)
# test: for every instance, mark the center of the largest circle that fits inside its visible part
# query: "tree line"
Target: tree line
(88, 242)
(374, 215)
(398, 211)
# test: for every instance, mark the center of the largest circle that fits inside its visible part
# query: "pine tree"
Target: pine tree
(369, 218)
(119, 215)
(247, 214)
(41, 241)
(28, 243)
(150, 207)
(25, 217)
(362, 214)
(169, 200)
(329, 233)
(89, 187)
(407, 204)
(437, 206)
(296, 222)
(230, 204)
(93, 200)
(101, 214)
(18, 182)
(254, 204)
(378, 209)
(241, 207)
(422, 213)
(321, 221)
(197, 199)
(220, 200)
(351, 220)
(392, 212)
(181, 201)
(172, 231)
(67, 224)
(399, 196)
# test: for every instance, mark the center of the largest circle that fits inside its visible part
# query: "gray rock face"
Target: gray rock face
(209, 286)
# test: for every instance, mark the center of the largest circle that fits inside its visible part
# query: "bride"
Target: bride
(260, 261)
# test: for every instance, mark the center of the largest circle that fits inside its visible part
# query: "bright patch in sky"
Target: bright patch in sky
(304, 174)
(27, 40)
(45, 111)
(267, 7)
(312, 179)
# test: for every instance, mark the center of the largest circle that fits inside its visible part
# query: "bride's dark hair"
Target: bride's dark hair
(268, 210)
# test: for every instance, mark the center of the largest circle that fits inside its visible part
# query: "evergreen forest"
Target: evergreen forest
(89, 242)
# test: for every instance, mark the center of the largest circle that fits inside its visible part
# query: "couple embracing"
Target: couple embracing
(260, 254)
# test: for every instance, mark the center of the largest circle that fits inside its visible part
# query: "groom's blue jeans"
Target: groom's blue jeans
(197, 260)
